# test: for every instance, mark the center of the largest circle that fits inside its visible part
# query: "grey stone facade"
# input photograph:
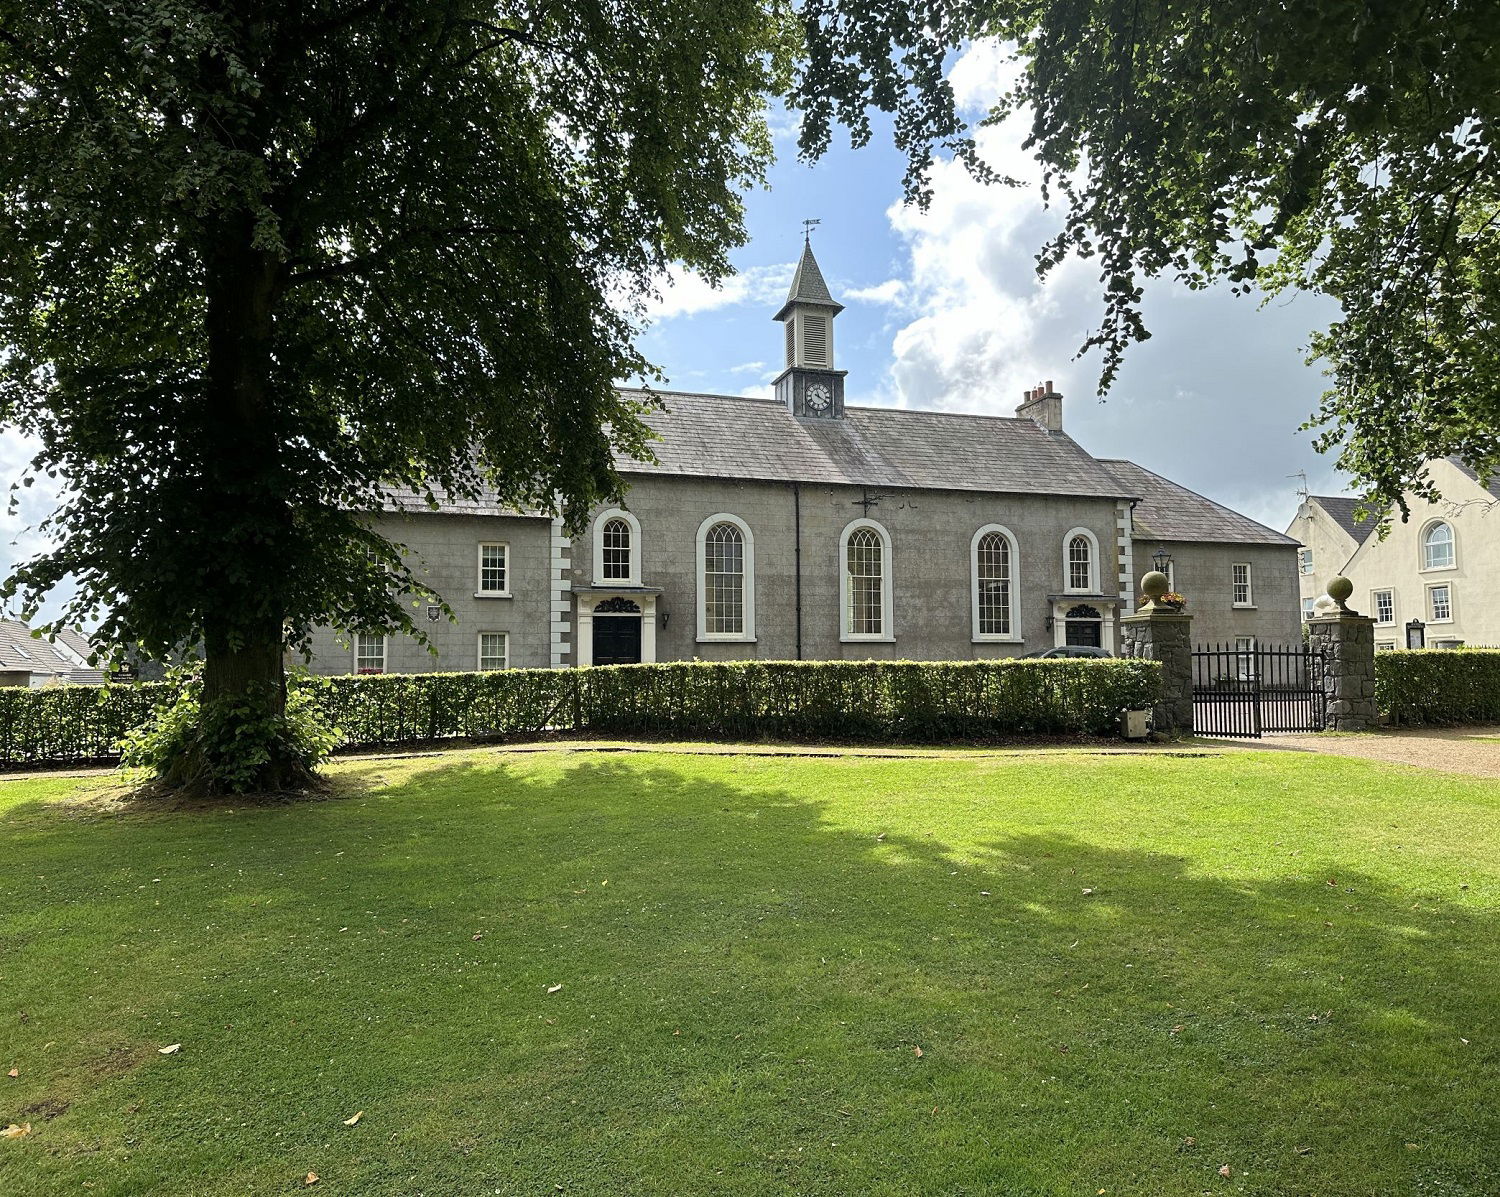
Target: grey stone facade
(934, 491)
(1347, 643)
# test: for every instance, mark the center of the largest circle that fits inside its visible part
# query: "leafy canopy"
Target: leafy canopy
(1343, 148)
(265, 264)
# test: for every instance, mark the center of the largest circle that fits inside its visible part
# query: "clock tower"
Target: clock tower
(810, 386)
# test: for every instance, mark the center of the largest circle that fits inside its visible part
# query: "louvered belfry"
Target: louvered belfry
(809, 385)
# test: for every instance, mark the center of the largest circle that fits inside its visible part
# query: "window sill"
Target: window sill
(1438, 569)
(1430, 622)
(982, 639)
(505, 594)
(710, 638)
(849, 638)
(1244, 606)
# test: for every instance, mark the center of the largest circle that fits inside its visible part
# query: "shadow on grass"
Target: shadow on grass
(747, 973)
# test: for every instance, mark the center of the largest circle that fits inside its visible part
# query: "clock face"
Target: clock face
(818, 395)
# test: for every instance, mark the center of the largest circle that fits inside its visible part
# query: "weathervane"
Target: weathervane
(807, 228)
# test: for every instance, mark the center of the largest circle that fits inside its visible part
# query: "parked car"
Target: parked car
(1069, 650)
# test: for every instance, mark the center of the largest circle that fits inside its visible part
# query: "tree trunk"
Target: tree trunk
(244, 523)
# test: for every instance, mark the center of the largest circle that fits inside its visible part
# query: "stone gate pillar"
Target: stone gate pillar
(1346, 640)
(1160, 633)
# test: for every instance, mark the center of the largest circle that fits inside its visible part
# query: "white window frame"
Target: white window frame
(479, 590)
(747, 541)
(1067, 577)
(385, 652)
(1427, 529)
(887, 634)
(1245, 658)
(634, 577)
(1375, 606)
(1433, 617)
(479, 652)
(1305, 560)
(1309, 608)
(1014, 635)
(1249, 601)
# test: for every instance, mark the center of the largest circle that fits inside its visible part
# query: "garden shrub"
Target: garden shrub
(1438, 687)
(819, 700)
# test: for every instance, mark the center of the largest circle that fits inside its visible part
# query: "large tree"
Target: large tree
(264, 263)
(1348, 148)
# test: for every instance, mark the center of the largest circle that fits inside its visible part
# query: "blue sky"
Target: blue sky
(943, 310)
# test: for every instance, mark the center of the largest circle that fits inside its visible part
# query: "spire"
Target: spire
(808, 286)
(810, 386)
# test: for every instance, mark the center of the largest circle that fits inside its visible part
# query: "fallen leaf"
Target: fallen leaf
(881, 836)
(918, 1050)
(1464, 1041)
(312, 1179)
(1088, 889)
(984, 893)
(1412, 1147)
(477, 935)
(351, 1121)
(1178, 1029)
(170, 1050)
(1223, 1169)
(1190, 1142)
(14, 1072)
(1303, 1150)
(554, 988)
(15, 1132)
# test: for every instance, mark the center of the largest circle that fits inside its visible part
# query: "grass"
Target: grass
(1122, 972)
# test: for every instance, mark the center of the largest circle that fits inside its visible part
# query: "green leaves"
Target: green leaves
(1345, 150)
(264, 272)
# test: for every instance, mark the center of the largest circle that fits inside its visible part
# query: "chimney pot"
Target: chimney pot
(1049, 386)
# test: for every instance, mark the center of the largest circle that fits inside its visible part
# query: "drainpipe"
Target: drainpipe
(797, 566)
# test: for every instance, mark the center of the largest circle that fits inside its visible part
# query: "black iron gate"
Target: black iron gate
(1250, 690)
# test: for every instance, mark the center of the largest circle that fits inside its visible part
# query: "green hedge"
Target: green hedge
(866, 700)
(1441, 687)
(60, 724)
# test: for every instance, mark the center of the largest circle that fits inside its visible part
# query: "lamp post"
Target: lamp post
(1161, 560)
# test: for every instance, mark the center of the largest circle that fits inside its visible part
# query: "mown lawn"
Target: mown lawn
(1122, 975)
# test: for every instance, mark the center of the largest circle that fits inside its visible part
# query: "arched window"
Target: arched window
(993, 569)
(1080, 562)
(1437, 546)
(617, 548)
(865, 548)
(726, 579)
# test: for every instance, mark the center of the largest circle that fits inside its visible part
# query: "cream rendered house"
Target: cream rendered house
(1439, 569)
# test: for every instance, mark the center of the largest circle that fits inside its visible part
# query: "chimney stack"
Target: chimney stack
(1043, 405)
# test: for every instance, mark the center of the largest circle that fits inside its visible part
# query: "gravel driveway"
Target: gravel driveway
(1472, 750)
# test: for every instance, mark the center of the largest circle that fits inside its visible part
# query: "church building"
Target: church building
(803, 528)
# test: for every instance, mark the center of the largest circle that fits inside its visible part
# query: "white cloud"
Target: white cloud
(983, 329)
(682, 293)
(892, 291)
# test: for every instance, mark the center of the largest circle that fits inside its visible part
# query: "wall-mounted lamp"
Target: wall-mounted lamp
(1161, 559)
(434, 612)
(1050, 622)
(666, 618)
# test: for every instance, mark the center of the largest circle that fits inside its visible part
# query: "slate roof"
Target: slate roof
(1167, 511)
(722, 436)
(1341, 510)
(20, 651)
(808, 286)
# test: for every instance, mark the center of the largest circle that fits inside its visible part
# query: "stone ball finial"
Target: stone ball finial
(1339, 590)
(1153, 586)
